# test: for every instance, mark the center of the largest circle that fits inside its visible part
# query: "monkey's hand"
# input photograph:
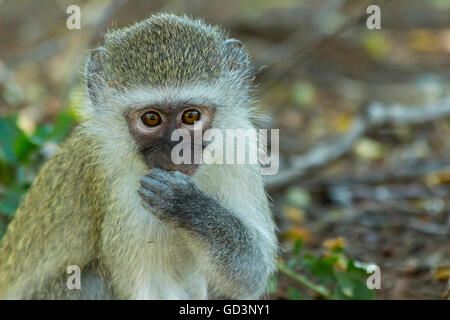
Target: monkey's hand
(175, 199)
(238, 264)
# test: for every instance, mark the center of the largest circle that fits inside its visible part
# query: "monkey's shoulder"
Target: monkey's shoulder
(69, 178)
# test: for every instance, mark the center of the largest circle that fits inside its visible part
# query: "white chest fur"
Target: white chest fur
(153, 261)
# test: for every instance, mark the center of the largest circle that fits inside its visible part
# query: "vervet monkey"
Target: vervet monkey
(112, 202)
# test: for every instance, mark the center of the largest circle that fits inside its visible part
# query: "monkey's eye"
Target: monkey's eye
(151, 118)
(190, 116)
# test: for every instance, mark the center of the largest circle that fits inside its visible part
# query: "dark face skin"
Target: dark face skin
(152, 128)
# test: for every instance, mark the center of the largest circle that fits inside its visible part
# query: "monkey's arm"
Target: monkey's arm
(236, 258)
(52, 227)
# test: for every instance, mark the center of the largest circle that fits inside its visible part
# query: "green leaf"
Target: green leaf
(291, 263)
(15, 146)
(295, 294)
(41, 134)
(352, 284)
(7, 173)
(23, 147)
(10, 200)
(272, 284)
(8, 132)
(62, 126)
(298, 247)
(322, 268)
(303, 93)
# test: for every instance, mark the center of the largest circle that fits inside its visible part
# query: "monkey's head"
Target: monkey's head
(162, 74)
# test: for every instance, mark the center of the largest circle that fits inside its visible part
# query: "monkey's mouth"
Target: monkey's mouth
(188, 170)
(165, 163)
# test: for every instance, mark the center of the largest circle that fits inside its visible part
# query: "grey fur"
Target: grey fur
(175, 199)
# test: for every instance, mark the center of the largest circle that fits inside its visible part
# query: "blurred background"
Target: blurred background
(352, 191)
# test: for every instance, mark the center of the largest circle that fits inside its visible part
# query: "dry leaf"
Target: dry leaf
(334, 244)
(296, 233)
(442, 273)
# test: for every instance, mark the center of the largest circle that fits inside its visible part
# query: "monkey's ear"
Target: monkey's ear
(233, 43)
(94, 74)
(238, 57)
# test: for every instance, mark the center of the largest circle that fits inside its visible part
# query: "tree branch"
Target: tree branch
(377, 115)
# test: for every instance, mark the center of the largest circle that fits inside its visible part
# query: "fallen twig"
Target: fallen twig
(406, 172)
(318, 289)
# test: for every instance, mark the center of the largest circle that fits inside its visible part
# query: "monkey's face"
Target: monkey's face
(164, 74)
(153, 129)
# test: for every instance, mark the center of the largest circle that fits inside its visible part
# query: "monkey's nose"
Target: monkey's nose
(171, 144)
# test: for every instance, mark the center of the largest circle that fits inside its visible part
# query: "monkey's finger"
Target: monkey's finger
(157, 172)
(155, 210)
(150, 208)
(154, 185)
(148, 196)
(160, 175)
(170, 177)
